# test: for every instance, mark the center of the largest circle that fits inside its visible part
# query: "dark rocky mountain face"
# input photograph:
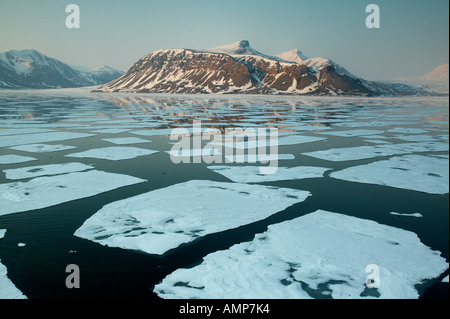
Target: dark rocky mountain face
(239, 69)
(34, 70)
(189, 71)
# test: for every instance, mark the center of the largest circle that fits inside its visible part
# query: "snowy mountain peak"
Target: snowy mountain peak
(293, 56)
(439, 74)
(31, 69)
(238, 48)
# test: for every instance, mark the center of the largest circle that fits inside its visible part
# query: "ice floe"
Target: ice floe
(42, 148)
(252, 174)
(126, 140)
(43, 170)
(7, 288)
(15, 159)
(115, 153)
(418, 215)
(15, 140)
(163, 219)
(414, 172)
(318, 255)
(354, 153)
(353, 133)
(47, 191)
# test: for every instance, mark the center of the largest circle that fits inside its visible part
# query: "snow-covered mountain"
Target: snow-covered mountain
(238, 68)
(32, 69)
(439, 74)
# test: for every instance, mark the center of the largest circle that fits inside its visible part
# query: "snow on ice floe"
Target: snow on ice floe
(42, 148)
(7, 288)
(126, 140)
(417, 215)
(182, 212)
(47, 191)
(15, 159)
(252, 174)
(113, 153)
(260, 158)
(318, 255)
(43, 170)
(354, 153)
(414, 172)
(15, 140)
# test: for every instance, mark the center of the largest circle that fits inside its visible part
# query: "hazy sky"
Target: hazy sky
(412, 40)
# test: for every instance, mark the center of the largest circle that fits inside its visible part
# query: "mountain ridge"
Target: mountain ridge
(237, 68)
(31, 69)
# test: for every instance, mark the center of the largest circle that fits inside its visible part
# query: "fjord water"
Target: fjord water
(375, 156)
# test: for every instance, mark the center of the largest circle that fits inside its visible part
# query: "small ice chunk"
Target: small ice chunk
(445, 279)
(15, 159)
(415, 172)
(251, 174)
(126, 140)
(2, 233)
(163, 219)
(318, 254)
(21, 245)
(113, 153)
(42, 148)
(47, 191)
(418, 215)
(43, 170)
(7, 288)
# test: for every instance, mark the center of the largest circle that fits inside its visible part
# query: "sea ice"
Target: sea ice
(163, 219)
(354, 153)
(47, 191)
(251, 174)
(52, 169)
(126, 140)
(318, 255)
(353, 133)
(113, 153)
(42, 148)
(14, 140)
(418, 215)
(15, 159)
(7, 289)
(415, 172)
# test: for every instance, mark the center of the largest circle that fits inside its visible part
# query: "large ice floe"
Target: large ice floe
(14, 140)
(43, 170)
(47, 191)
(318, 255)
(114, 153)
(42, 148)
(15, 159)
(7, 289)
(252, 174)
(163, 219)
(414, 172)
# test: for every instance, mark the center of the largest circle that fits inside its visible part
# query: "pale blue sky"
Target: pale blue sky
(412, 40)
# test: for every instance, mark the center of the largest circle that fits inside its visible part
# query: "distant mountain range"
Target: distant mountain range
(31, 69)
(235, 68)
(239, 69)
